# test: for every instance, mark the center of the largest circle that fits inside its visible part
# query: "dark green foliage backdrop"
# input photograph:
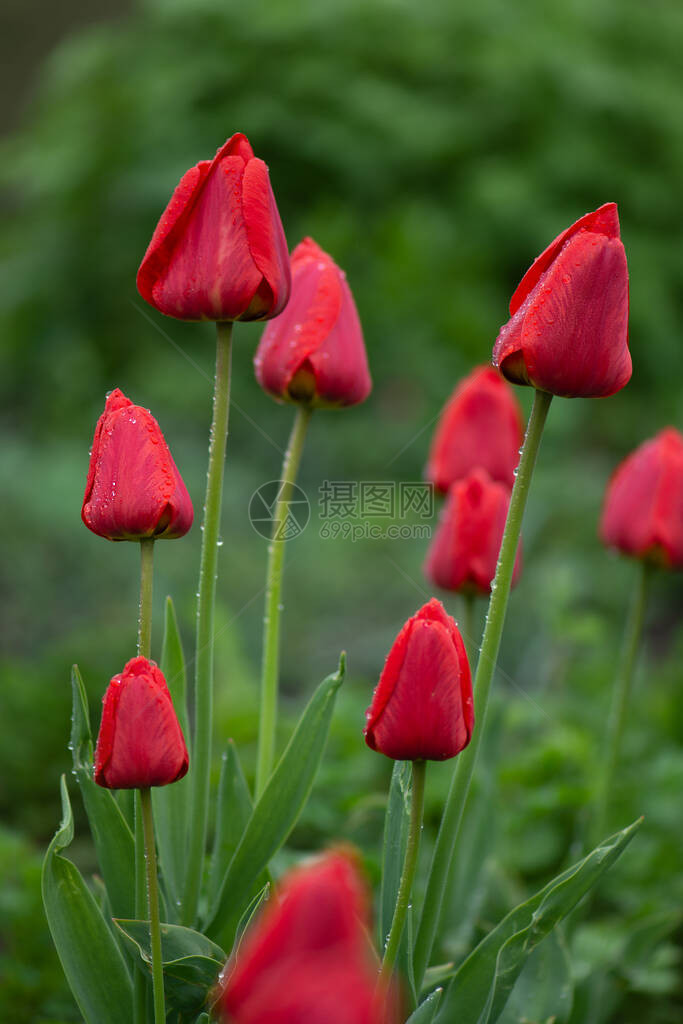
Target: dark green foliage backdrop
(433, 149)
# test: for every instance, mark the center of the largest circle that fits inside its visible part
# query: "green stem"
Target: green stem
(203, 688)
(408, 873)
(153, 903)
(144, 650)
(500, 589)
(620, 697)
(146, 581)
(271, 622)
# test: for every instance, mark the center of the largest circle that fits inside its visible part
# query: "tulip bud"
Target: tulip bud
(219, 251)
(464, 551)
(314, 351)
(643, 512)
(568, 332)
(140, 743)
(134, 489)
(422, 708)
(481, 426)
(307, 957)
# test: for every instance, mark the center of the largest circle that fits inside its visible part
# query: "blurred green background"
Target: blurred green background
(434, 149)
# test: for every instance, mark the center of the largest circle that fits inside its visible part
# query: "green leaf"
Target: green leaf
(482, 984)
(191, 962)
(276, 812)
(393, 852)
(111, 833)
(426, 1011)
(171, 803)
(234, 811)
(544, 990)
(254, 906)
(92, 961)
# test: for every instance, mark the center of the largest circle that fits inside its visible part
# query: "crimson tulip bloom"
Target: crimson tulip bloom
(568, 332)
(134, 490)
(314, 351)
(307, 957)
(643, 512)
(219, 251)
(422, 708)
(140, 743)
(464, 551)
(481, 425)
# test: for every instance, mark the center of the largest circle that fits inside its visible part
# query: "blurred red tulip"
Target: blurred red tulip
(643, 512)
(314, 351)
(307, 959)
(219, 251)
(481, 425)
(464, 551)
(568, 333)
(422, 707)
(134, 489)
(140, 743)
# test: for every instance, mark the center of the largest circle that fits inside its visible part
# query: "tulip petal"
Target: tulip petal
(604, 221)
(265, 236)
(574, 336)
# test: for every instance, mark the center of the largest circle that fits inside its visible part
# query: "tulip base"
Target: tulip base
(408, 873)
(444, 849)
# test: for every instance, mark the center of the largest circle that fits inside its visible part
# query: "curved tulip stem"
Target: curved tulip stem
(153, 904)
(271, 621)
(500, 589)
(145, 650)
(620, 695)
(203, 687)
(408, 873)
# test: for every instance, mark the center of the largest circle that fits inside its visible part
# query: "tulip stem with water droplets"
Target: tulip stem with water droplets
(145, 650)
(408, 873)
(445, 847)
(620, 695)
(200, 766)
(271, 622)
(153, 904)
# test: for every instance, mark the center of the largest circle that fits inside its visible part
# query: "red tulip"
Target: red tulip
(307, 958)
(140, 742)
(219, 251)
(134, 489)
(422, 707)
(643, 513)
(568, 333)
(481, 425)
(314, 351)
(464, 552)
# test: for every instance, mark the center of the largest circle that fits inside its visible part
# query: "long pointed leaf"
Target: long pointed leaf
(482, 984)
(234, 811)
(275, 814)
(110, 831)
(393, 852)
(544, 990)
(171, 803)
(92, 961)
(426, 1011)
